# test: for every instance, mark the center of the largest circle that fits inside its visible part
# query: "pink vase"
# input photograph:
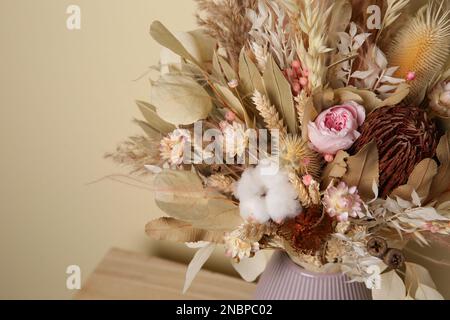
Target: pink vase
(285, 280)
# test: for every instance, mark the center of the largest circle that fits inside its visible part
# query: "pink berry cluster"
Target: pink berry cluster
(297, 76)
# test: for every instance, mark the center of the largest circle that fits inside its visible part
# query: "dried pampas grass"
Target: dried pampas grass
(136, 153)
(226, 21)
(423, 47)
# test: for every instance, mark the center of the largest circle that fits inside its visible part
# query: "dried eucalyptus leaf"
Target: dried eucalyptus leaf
(251, 269)
(165, 38)
(280, 94)
(170, 229)
(152, 118)
(228, 70)
(217, 70)
(392, 287)
(181, 195)
(419, 181)
(441, 181)
(363, 170)
(180, 100)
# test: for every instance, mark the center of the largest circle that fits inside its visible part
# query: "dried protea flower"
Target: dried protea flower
(309, 232)
(405, 136)
(440, 99)
(296, 153)
(423, 47)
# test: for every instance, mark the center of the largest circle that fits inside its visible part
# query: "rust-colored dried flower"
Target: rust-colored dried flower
(405, 136)
(309, 232)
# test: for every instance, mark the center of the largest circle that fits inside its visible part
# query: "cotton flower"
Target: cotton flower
(265, 196)
(342, 202)
(173, 146)
(336, 129)
(235, 138)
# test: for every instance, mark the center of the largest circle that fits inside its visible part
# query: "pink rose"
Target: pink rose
(336, 129)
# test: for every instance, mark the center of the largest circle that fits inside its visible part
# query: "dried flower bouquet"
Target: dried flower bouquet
(357, 160)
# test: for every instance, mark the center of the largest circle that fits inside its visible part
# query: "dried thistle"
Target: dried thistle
(269, 113)
(136, 153)
(423, 47)
(221, 183)
(296, 154)
(226, 21)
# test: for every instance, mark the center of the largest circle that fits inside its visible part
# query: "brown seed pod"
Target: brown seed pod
(405, 136)
(377, 247)
(395, 259)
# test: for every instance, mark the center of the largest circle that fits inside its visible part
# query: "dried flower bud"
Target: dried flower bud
(377, 247)
(394, 258)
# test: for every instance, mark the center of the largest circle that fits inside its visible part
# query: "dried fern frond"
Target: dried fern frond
(221, 183)
(269, 113)
(136, 153)
(423, 47)
(226, 21)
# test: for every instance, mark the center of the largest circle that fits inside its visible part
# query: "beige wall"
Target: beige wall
(65, 99)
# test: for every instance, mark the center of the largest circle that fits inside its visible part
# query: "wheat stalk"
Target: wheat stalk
(300, 106)
(269, 113)
(302, 191)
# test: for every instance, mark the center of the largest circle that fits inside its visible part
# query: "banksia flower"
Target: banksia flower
(405, 136)
(221, 183)
(423, 47)
(440, 99)
(296, 153)
(309, 232)
(269, 113)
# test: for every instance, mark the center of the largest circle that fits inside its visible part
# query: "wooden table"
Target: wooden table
(124, 275)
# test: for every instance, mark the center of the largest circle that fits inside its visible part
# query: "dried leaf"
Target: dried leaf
(170, 229)
(234, 104)
(363, 170)
(309, 115)
(152, 118)
(415, 275)
(424, 292)
(419, 181)
(336, 169)
(228, 70)
(250, 78)
(165, 38)
(441, 181)
(197, 263)
(251, 269)
(392, 287)
(280, 94)
(180, 100)
(181, 195)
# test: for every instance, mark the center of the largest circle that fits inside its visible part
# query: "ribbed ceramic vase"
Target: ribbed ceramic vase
(285, 280)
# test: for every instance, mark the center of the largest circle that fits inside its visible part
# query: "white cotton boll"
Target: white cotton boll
(282, 203)
(254, 209)
(249, 185)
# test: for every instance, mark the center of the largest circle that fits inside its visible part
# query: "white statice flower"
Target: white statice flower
(235, 138)
(239, 249)
(173, 146)
(266, 195)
